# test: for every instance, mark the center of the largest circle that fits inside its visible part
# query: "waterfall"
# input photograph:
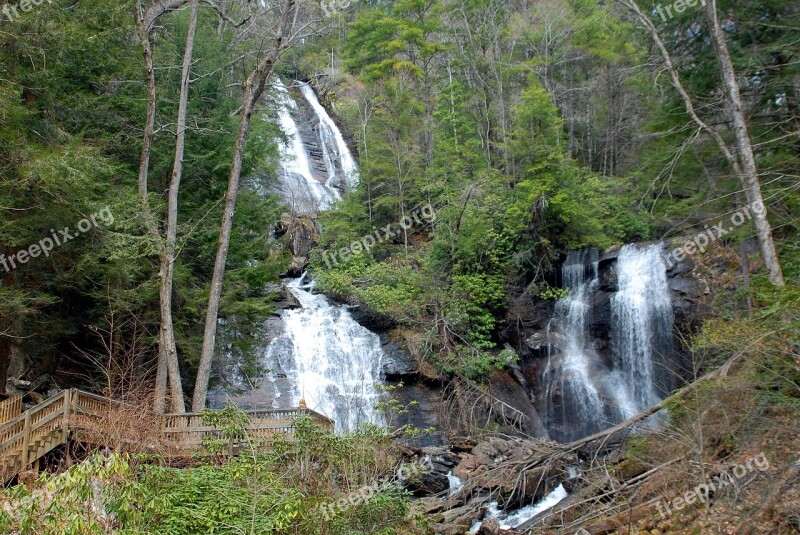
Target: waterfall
(339, 161)
(455, 483)
(331, 361)
(641, 323)
(574, 378)
(513, 519)
(297, 185)
(588, 388)
(317, 353)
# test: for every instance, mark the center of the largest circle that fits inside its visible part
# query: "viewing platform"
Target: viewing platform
(26, 437)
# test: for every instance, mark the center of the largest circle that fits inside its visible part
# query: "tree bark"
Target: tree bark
(5, 362)
(253, 89)
(750, 180)
(176, 388)
(168, 352)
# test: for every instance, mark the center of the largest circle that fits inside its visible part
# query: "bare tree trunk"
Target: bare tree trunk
(746, 168)
(253, 89)
(5, 361)
(161, 379)
(176, 388)
(750, 180)
(168, 350)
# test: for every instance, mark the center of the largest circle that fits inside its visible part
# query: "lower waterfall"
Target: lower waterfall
(333, 363)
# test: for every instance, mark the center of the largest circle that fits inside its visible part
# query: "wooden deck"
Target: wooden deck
(25, 437)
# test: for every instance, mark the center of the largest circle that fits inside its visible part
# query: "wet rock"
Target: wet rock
(462, 444)
(490, 526)
(300, 234)
(286, 300)
(537, 340)
(397, 361)
(522, 418)
(428, 484)
(424, 404)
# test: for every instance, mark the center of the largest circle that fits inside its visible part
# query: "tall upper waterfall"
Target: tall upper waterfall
(316, 352)
(587, 388)
(297, 184)
(316, 163)
(339, 162)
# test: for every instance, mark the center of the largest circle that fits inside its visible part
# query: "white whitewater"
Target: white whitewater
(513, 519)
(297, 185)
(641, 321)
(335, 151)
(332, 362)
(573, 377)
(582, 397)
(455, 483)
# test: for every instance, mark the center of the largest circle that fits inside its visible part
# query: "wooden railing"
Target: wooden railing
(188, 430)
(28, 436)
(10, 408)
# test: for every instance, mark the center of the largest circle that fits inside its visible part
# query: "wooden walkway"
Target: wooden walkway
(25, 437)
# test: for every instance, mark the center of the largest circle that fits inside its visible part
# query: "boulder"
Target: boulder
(428, 484)
(397, 361)
(489, 526)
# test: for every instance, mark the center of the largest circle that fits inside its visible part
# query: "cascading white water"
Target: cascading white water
(331, 360)
(297, 184)
(318, 353)
(584, 391)
(513, 519)
(335, 152)
(641, 322)
(571, 376)
(455, 483)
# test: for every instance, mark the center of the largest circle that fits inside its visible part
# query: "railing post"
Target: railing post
(26, 439)
(67, 407)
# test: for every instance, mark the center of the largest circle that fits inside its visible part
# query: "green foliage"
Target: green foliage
(232, 425)
(90, 498)
(554, 293)
(282, 491)
(475, 364)
(73, 101)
